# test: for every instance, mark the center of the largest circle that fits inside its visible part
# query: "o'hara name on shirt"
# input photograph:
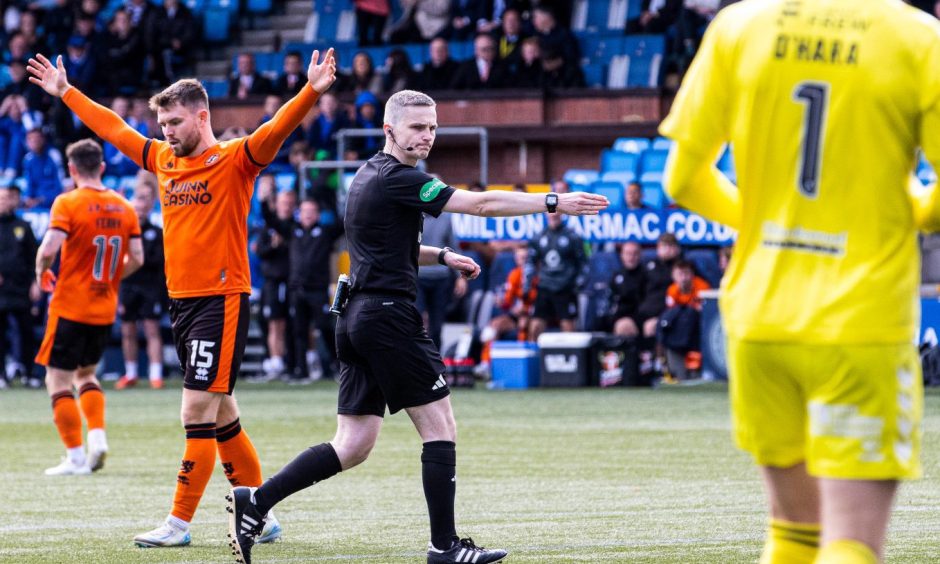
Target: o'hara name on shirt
(187, 193)
(816, 49)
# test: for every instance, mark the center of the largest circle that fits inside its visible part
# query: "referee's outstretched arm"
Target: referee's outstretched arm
(499, 203)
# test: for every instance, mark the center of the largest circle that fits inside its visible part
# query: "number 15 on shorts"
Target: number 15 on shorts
(201, 357)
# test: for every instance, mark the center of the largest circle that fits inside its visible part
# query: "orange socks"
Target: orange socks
(67, 419)
(92, 401)
(238, 456)
(195, 470)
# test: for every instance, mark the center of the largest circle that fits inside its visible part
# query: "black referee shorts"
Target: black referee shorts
(141, 302)
(386, 358)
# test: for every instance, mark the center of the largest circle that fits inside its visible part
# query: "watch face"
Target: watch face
(551, 199)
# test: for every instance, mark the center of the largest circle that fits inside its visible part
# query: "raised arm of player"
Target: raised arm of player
(501, 203)
(134, 258)
(694, 182)
(105, 123)
(265, 142)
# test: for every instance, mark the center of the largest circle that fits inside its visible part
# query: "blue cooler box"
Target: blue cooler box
(515, 364)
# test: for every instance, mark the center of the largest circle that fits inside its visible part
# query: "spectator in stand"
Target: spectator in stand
(246, 81)
(79, 64)
(438, 285)
(515, 306)
(679, 333)
(289, 84)
(560, 187)
(466, 17)
(329, 121)
(658, 280)
(557, 256)
(20, 85)
(171, 35)
(633, 197)
(86, 26)
(272, 249)
(17, 49)
(363, 77)
(140, 11)
(15, 120)
(29, 28)
(422, 21)
(656, 16)
(143, 295)
(400, 74)
(18, 288)
(559, 72)
(440, 68)
(483, 71)
(554, 37)
(367, 117)
(509, 35)
(58, 22)
(310, 246)
(43, 170)
(724, 258)
(281, 161)
(142, 117)
(124, 51)
(525, 69)
(118, 164)
(627, 287)
(370, 20)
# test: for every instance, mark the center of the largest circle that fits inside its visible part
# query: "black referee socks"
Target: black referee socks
(313, 465)
(439, 474)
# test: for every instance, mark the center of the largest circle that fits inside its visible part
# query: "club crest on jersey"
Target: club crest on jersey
(19, 232)
(212, 159)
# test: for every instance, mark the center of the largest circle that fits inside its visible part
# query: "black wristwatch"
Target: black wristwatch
(440, 255)
(551, 202)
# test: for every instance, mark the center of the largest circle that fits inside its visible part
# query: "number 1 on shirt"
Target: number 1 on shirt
(815, 95)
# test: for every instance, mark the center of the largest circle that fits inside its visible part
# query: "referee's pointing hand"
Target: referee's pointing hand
(581, 203)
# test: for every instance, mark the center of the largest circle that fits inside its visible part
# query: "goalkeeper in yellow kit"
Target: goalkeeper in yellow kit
(826, 103)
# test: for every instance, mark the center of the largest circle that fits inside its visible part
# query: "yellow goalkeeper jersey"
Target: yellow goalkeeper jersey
(825, 103)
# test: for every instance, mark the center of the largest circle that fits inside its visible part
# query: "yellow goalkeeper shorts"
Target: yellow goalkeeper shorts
(849, 412)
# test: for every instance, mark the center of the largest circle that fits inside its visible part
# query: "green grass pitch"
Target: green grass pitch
(551, 475)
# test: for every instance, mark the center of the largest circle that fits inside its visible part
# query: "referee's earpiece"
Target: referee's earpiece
(392, 135)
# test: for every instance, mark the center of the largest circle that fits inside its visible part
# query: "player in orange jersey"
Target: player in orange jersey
(205, 193)
(99, 236)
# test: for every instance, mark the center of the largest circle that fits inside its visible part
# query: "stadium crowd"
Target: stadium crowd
(123, 52)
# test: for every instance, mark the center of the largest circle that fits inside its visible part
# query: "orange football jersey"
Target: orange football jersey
(99, 225)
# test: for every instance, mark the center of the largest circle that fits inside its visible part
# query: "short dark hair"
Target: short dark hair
(186, 92)
(86, 155)
(668, 238)
(309, 200)
(683, 264)
(294, 54)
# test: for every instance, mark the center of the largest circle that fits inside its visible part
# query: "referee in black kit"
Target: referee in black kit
(386, 357)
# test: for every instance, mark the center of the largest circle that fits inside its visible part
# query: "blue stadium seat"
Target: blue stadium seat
(613, 191)
(600, 48)
(706, 266)
(726, 161)
(215, 25)
(502, 265)
(285, 182)
(632, 144)
(580, 177)
(601, 269)
(215, 88)
(653, 195)
(623, 177)
(417, 53)
(653, 160)
(595, 75)
(617, 160)
(646, 55)
(651, 177)
(258, 6)
(596, 297)
(925, 172)
(195, 6)
(662, 143)
(634, 9)
(461, 50)
(230, 5)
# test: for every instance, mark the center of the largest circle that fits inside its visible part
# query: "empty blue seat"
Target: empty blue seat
(229, 5)
(726, 161)
(601, 268)
(653, 195)
(634, 9)
(651, 177)
(617, 160)
(646, 55)
(613, 191)
(461, 50)
(653, 160)
(662, 143)
(706, 266)
(632, 144)
(216, 88)
(580, 177)
(258, 6)
(595, 74)
(600, 48)
(597, 11)
(623, 177)
(215, 25)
